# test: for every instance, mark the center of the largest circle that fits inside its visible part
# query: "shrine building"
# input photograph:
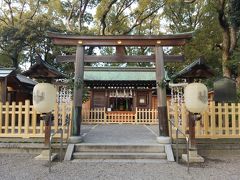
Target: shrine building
(120, 88)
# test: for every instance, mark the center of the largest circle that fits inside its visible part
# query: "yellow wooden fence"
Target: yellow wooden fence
(21, 120)
(221, 120)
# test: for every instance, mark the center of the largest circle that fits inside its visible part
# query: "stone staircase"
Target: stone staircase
(118, 151)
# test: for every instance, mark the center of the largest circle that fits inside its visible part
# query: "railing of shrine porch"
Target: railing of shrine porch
(22, 121)
(221, 120)
(139, 116)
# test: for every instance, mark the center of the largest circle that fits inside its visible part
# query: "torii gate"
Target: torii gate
(120, 41)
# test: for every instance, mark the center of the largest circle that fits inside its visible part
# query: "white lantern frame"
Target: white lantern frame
(44, 97)
(196, 97)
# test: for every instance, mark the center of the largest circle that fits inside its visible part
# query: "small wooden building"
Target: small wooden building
(196, 70)
(121, 89)
(44, 71)
(15, 87)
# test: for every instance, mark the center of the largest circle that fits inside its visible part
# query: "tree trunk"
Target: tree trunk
(226, 53)
(238, 82)
(238, 78)
(15, 62)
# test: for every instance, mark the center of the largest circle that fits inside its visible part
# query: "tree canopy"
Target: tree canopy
(24, 23)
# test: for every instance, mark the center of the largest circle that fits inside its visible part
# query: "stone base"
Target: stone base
(75, 139)
(45, 156)
(193, 157)
(164, 140)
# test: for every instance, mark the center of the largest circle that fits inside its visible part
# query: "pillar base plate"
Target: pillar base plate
(193, 157)
(164, 140)
(45, 156)
(75, 139)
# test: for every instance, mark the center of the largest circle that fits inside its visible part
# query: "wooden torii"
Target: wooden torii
(120, 41)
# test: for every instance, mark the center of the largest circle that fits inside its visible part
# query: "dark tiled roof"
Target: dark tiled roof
(42, 69)
(198, 69)
(4, 72)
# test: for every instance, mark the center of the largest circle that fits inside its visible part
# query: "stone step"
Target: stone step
(117, 155)
(119, 148)
(153, 161)
(32, 148)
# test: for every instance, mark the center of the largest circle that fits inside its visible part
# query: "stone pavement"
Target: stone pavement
(119, 134)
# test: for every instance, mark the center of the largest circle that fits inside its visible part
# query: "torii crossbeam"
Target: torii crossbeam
(156, 41)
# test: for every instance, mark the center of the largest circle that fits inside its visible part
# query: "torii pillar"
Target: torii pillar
(77, 96)
(163, 137)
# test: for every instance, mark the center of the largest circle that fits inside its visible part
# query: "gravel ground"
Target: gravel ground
(23, 166)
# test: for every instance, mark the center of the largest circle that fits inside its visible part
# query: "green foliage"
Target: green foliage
(125, 17)
(162, 84)
(234, 63)
(78, 84)
(22, 31)
(234, 12)
(238, 96)
(203, 20)
(5, 61)
(23, 28)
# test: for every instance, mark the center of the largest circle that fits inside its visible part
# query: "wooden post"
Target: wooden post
(13, 117)
(19, 117)
(27, 118)
(1, 117)
(47, 133)
(78, 91)
(192, 138)
(3, 90)
(48, 122)
(161, 93)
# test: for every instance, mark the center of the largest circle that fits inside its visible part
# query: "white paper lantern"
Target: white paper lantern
(44, 97)
(196, 97)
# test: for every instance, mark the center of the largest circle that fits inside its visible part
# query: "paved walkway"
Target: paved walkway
(120, 134)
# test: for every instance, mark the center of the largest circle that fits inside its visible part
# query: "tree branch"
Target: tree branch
(9, 3)
(221, 15)
(21, 12)
(189, 1)
(70, 15)
(140, 21)
(102, 20)
(5, 15)
(35, 11)
(82, 8)
(3, 21)
(233, 39)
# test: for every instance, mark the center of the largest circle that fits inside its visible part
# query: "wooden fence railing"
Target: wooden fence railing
(100, 116)
(21, 120)
(221, 120)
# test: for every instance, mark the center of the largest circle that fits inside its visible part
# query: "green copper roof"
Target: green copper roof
(119, 74)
